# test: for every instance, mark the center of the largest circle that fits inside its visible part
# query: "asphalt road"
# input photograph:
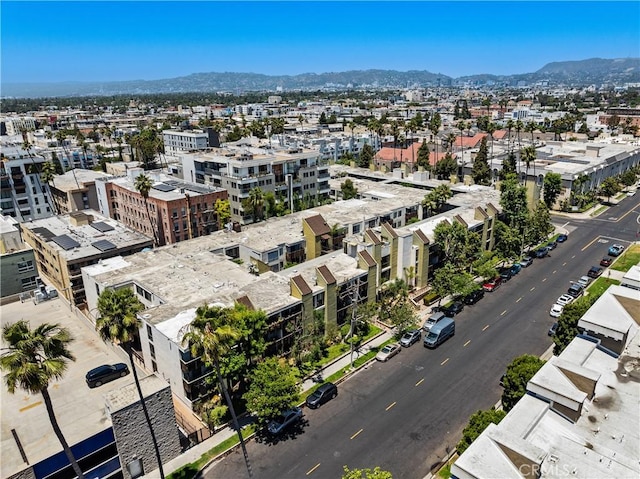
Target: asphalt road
(407, 414)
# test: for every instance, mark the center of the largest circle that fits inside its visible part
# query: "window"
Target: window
(152, 349)
(154, 365)
(29, 283)
(150, 332)
(24, 266)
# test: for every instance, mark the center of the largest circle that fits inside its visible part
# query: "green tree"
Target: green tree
(255, 203)
(568, 322)
(478, 422)
(446, 166)
(145, 144)
(584, 129)
(348, 189)
(458, 245)
(442, 282)
(31, 359)
(480, 172)
(610, 187)
(423, 156)
(223, 212)
(210, 336)
(47, 175)
(273, 388)
(627, 178)
(539, 226)
(119, 324)
(515, 380)
(528, 155)
(366, 156)
(513, 199)
(323, 119)
(143, 185)
(552, 187)
(394, 307)
(375, 473)
(508, 241)
(509, 166)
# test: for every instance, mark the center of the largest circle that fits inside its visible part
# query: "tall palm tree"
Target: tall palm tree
(256, 202)
(210, 336)
(528, 155)
(519, 126)
(531, 127)
(143, 185)
(33, 358)
(491, 129)
(510, 124)
(119, 324)
(47, 175)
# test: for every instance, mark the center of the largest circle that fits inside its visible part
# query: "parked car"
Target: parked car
(526, 261)
(556, 311)
(584, 281)
(324, 393)
(575, 290)
(105, 373)
(542, 252)
(552, 245)
(432, 320)
(515, 268)
(562, 238)
(606, 261)
(505, 274)
(631, 193)
(389, 351)
(492, 284)
(410, 337)
(615, 249)
(553, 329)
(594, 272)
(473, 297)
(453, 309)
(564, 300)
(285, 419)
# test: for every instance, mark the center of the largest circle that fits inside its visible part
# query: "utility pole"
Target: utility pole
(354, 302)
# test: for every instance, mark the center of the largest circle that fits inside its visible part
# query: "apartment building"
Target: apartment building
(174, 210)
(292, 173)
(18, 272)
(64, 244)
(75, 190)
(15, 125)
(177, 141)
(579, 416)
(22, 194)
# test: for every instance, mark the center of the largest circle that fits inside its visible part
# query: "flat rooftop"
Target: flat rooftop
(80, 410)
(77, 179)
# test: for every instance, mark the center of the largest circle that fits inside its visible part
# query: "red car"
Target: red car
(493, 284)
(606, 261)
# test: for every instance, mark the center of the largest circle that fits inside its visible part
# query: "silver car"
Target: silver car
(410, 337)
(285, 419)
(389, 351)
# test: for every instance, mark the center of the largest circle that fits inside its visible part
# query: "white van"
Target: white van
(432, 320)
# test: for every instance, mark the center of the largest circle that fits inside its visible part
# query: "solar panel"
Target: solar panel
(102, 226)
(65, 242)
(103, 245)
(163, 187)
(44, 232)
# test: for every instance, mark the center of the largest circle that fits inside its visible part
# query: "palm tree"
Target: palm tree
(519, 127)
(47, 175)
(210, 336)
(528, 155)
(34, 358)
(119, 323)
(530, 127)
(491, 129)
(510, 125)
(143, 185)
(256, 202)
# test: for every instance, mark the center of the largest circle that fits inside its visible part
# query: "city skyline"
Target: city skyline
(118, 40)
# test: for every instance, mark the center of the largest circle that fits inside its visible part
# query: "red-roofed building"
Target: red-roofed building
(470, 141)
(500, 134)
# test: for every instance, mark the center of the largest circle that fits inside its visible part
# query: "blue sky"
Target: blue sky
(123, 40)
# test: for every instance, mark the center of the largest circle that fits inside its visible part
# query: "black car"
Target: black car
(594, 272)
(576, 290)
(542, 252)
(453, 309)
(473, 297)
(505, 274)
(105, 373)
(553, 329)
(324, 393)
(562, 238)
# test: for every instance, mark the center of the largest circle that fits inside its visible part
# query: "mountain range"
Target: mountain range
(594, 71)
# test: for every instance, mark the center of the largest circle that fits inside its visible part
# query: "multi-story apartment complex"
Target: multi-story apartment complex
(75, 190)
(173, 211)
(22, 193)
(15, 125)
(66, 243)
(293, 173)
(18, 270)
(177, 141)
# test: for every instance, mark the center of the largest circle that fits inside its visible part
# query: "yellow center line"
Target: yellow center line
(564, 264)
(390, 405)
(466, 343)
(518, 300)
(443, 362)
(420, 382)
(503, 313)
(485, 328)
(532, 288)
(573, 256)
(554, 272)
(313, 469)
(356, 434)
(544, 279)
(591, 242)
(37, 403)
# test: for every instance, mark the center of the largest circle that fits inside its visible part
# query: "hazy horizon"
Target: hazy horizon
(54, 42)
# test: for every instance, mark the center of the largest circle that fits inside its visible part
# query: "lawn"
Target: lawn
(600, 285)
(627, 259)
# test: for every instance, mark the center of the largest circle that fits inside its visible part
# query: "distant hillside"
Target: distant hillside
(576, 73)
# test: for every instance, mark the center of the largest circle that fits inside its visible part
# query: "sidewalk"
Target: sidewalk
(194, 453)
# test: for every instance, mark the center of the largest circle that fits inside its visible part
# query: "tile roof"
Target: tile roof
(301, 284)
(327, 275)
(366, 256)
(318, 225)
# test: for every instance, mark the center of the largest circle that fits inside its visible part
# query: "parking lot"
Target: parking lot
(79, 410)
